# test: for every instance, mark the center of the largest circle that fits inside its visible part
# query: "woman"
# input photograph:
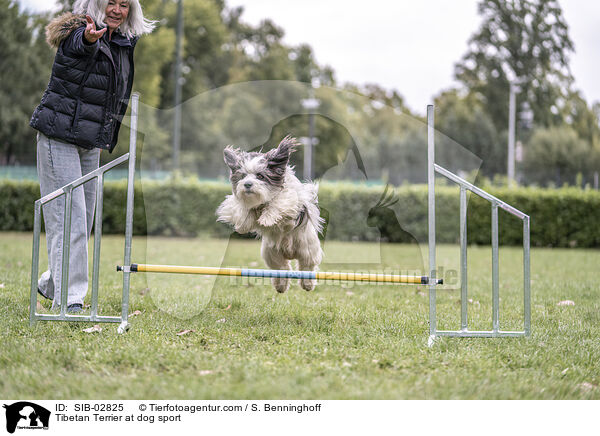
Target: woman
(80, 114)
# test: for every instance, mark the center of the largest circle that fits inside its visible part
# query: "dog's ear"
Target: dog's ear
(279, 157)
(232, 157)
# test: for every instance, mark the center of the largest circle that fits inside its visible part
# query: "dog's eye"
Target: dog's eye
(260, 177)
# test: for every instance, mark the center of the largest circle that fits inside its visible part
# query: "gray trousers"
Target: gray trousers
(60, 163)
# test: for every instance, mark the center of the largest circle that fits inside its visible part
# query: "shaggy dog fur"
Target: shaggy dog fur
(269, 200)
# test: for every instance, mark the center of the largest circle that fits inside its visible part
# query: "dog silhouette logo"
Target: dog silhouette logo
(25, 415)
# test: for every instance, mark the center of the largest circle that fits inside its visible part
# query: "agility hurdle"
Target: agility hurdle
(431, 280)
(432, 170)
(67, 192)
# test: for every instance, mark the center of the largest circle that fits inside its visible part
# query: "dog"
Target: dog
(269, 200)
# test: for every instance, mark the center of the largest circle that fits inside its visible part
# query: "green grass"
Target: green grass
(339, 342)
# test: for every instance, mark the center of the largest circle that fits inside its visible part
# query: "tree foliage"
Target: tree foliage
(527, 43)
(524, 41)
(557, 155)
(465, 120)
(243, 85)
(24, 69)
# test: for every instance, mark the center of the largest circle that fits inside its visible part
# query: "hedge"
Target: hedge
(566, 217)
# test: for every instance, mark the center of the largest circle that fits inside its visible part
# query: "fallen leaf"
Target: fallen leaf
(39, 306)
(585, 386)
(228, 307)
(205, 372)
(564, 371)
(221, 320)
(136, 313)
(566, 303)
(93, 329)
(184, 332)
(86, 306)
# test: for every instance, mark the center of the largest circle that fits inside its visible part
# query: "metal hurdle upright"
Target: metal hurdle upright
(67, 192)
(432, 170)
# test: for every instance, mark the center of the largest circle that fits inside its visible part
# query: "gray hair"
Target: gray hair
(135, 25)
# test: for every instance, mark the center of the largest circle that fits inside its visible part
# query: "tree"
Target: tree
(525, 41)
(221, 49)
(25, 69)
(582, 118)
(556, 155)
(465, 120)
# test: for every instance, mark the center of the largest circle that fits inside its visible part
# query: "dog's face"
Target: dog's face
(257, 177)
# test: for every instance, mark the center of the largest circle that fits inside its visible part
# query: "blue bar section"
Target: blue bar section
(282, 274)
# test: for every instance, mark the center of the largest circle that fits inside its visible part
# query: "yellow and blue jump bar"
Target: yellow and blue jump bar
(282, 274)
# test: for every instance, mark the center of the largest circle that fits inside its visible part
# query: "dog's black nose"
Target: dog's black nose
(248, 185)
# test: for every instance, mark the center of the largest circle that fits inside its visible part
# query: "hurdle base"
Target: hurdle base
(474, 334)
(479, 334)
(431, 341)
(76, 318)
(123, 327)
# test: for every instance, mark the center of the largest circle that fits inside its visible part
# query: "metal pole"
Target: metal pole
(512, 109)
(310, 104)
(97, 241)
(129, 216)
(526, 278)
(431, 221)
(495, 271)
(64, 279)
(308, 148)
(463, 258)
(178, 84)
(35, 260)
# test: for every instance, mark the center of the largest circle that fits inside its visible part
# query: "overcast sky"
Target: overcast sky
(410, 46)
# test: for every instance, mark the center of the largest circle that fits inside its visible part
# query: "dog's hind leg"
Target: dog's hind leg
(275, 260)
(307, 284)
(308, 260)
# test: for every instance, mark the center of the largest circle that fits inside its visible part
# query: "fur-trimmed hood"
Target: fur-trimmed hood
(60, 27)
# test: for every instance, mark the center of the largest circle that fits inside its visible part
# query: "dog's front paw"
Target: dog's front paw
(281, 285)
(308, 284)
(266, 220)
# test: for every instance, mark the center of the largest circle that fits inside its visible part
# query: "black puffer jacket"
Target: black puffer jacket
(89, 90)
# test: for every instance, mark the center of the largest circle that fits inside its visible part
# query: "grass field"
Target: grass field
(339, 342)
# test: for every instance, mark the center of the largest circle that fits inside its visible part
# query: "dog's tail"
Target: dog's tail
(311, 203)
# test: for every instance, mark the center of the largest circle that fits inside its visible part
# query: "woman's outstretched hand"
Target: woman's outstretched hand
(91, 34)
